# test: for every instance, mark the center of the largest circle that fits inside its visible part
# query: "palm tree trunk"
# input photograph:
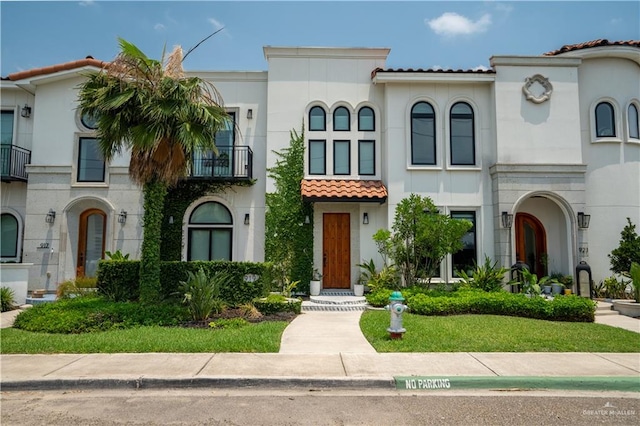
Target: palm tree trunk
(154, 194)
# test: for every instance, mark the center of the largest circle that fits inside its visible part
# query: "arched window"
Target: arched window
(341, 119)
(462, 135)
(423, 134)
(366, 120)
(210, 232)
(9, 233)
(317, 119)
(634, 130)
(605, 121)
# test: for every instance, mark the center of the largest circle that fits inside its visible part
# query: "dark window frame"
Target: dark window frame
(324, 163)
(210, 227)
(612, 117)
(78, 164)
(634, 133)
(348, 143)
(373, 115)
(340, 108)
(324, 120)
(459, 116)
(13, 124)
(360, 144)
(413, 139)
(17, 235)
(473, 230)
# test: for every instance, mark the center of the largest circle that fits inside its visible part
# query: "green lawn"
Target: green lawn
(260, 337)
(491, 333)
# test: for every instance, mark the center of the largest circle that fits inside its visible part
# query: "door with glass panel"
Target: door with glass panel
(90, 242)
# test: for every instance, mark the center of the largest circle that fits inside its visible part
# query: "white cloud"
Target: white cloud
(452, 24)
(87, 3)
(159, 27)
(481, 68)
(217, 24)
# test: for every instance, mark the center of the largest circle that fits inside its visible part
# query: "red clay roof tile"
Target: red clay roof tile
(593, 43)
(343, 190)
(88, 61)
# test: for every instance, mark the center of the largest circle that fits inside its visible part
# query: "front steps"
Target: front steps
(605, 308)
(335, 301)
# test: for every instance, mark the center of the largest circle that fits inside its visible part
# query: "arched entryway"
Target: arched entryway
(531, 243)
(91, 241)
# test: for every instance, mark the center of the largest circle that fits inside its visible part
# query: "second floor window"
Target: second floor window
(90, 161)
(341, 119)
(605, 120)
(341, 157)
(462, 139)
(317, 157)
(366, 120)
(317, 119)
(6, 128)
(634, 131)
(423, 134)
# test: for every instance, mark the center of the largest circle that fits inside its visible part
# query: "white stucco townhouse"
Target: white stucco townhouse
(526, 150)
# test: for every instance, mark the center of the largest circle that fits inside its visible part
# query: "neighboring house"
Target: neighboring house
(525, 150)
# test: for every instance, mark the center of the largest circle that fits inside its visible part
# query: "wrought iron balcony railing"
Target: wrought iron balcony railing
(232, 163)
(13, 161)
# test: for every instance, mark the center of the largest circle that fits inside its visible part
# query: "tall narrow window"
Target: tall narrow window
(9, 235)
(366, 120)
(90, 161)
(341, 119)
(210, 232)
(462, 139)
(207, 164)
(317, 119)
(317, 157)
(423, 134)
(464, 259)
(341, 157)
(605, 121)
(366, 157)
(634, 131)
(6, 127)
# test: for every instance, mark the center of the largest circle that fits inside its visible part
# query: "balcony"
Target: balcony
(13, 161)
(232, 163)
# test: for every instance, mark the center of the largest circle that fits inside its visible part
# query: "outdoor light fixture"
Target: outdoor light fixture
(246, 219)
(307, 221)
(170, 219)
(51, 216)
(583, 220)
(122, 217)
(249, 113)
(26, 111)
(365, 218)
(507, 220)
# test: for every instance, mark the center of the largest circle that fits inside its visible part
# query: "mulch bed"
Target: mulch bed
(237, 313)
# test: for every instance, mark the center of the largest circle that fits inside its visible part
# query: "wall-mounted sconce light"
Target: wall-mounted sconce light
(307, 221)
(583, 220)
(25, 111)
(170, 220)
(246, 219)
(249, 113)
(122, 217)
(365, 218)
(507, 220)
(51, 216)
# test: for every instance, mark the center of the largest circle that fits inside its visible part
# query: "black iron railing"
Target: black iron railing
(13, 161)
(231, 163)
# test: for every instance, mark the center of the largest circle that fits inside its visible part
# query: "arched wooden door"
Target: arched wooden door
(90, 242)
(531, 243)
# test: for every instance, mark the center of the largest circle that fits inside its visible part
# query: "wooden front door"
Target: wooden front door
(336, 251)
(90, 242)
(531, 243)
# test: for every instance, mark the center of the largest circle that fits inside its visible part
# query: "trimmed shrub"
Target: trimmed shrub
(118, 280)
(379, 298)
(275, 303)
(90, 314)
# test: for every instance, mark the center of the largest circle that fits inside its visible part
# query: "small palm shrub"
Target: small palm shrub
(81, 286)
(201, 294)
(7, 299)
(486, 277)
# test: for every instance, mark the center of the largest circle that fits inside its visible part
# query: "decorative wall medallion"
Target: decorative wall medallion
(537, 89)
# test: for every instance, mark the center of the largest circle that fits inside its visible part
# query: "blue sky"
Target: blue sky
(421, 34)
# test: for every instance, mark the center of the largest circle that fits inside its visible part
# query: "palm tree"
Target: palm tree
(162, 117)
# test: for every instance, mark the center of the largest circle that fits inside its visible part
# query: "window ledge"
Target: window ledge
(475, 168)
(633, 140)
(412, 167)
(607, 140)
(90, 185)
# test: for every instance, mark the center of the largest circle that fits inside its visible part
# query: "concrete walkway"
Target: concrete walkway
(325, 333)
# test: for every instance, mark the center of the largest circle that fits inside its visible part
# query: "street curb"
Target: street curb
(199, 382)
(599, 383)
(410, 383)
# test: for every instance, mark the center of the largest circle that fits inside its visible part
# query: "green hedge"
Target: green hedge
(275, 303)
(118, 280)
(563, 308)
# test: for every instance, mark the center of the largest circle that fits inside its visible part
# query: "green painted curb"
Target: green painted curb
(426, 383)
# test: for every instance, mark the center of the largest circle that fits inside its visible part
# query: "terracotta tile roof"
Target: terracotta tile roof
(593, 43)
(88, 61)
(432, 71)
(343, 190)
